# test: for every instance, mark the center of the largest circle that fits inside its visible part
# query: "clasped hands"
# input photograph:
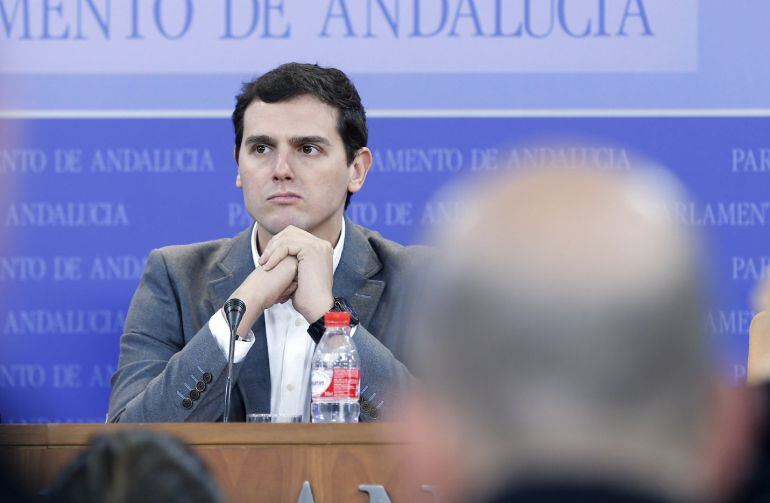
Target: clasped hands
(294, 265)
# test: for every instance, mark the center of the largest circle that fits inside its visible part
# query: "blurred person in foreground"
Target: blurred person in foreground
(132, 466)
(563, 352)
(757, 486)
(760, 298)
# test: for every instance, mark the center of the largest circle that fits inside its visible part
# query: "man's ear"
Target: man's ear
(238, 182)
(359, 169)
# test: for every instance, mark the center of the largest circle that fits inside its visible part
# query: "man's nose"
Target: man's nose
(282, 168)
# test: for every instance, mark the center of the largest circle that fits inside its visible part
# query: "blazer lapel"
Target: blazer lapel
(254, 376)
(232, 269)
(357, 265)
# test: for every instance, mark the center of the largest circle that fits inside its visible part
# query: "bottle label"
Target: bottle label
(341, 383)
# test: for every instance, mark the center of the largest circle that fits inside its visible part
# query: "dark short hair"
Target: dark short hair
(329, 85)
(137, 465)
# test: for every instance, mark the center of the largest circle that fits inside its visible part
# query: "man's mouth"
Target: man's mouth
(284, 197)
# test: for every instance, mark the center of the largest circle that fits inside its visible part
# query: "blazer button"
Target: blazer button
(195, 394)
(200, 386)
(207, 377)
(187, 403)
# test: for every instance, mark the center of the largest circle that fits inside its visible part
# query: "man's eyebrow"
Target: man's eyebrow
(302, 140)
(260, 139)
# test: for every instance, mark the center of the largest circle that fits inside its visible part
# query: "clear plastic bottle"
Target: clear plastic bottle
(335, 373)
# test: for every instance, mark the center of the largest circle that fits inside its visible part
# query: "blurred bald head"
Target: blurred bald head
(611, 230)
(563, 329)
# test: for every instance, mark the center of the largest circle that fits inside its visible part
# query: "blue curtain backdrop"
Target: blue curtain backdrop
(116, 140)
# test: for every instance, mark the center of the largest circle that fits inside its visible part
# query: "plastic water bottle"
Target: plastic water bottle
(335, 373)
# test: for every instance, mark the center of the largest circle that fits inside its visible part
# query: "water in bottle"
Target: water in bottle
(335, 373)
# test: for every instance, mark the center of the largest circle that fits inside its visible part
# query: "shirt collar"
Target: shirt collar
(336, 256)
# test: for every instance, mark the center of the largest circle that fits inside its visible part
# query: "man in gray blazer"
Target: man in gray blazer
(300, 147)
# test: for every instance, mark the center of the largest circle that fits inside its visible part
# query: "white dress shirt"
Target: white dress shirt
(290, 348)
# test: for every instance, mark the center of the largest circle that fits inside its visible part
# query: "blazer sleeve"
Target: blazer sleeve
(384, 379)
(159, 376)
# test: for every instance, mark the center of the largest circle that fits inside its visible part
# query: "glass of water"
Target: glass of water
(273, 418)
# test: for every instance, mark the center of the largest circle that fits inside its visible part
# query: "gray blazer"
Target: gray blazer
(171, 368)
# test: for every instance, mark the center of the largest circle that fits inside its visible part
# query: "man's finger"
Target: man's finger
(281, 251)
(286, 295)
(269, 248)
(293, 241)
(290, 289)
(274, 257)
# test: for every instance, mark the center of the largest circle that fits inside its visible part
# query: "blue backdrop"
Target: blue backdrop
(101, 162)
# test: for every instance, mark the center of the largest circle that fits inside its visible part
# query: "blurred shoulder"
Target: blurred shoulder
(393, 254)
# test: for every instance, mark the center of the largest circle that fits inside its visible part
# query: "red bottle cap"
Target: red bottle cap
(337, 319)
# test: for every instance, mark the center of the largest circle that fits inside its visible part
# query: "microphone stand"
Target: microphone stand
(234, 311)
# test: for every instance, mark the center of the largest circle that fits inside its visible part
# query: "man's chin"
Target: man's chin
(275, 224)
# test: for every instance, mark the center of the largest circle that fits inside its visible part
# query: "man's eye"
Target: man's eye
(309, 149)
(260, 149)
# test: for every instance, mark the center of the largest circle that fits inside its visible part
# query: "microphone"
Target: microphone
(234, 311)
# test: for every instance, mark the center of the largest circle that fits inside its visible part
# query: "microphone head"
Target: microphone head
(234, 311)
(235, 305)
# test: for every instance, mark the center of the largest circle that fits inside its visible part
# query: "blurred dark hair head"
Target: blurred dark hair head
(329, 85)
(136, 466)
